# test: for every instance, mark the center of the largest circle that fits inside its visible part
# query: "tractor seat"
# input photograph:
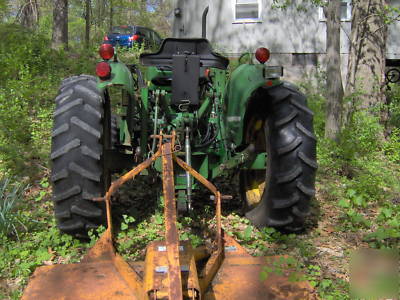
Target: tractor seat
(187, 59)
(174, 46)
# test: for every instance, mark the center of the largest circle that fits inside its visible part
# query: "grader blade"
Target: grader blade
(172, 269)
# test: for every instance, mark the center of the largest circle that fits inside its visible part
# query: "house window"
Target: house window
(304, 59)
(247, 11)
(345, 11)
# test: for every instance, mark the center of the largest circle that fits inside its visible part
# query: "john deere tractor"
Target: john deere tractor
(247, 121)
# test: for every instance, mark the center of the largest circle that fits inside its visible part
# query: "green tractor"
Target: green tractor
(248, 122)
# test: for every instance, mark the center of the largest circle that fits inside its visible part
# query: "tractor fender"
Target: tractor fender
(121, 76)
(244, 81)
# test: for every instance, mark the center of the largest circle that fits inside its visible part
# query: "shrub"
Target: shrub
(31, 74)
(393, 97)
(391, 147)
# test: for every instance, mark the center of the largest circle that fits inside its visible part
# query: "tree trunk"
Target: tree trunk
(143, 6)
(60, 25)
(29, 14)
(87, 23)
(333, 71)
(111, 14)
(366, 66)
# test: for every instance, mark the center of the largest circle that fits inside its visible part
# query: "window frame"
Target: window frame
(247, 20)
(322, 18)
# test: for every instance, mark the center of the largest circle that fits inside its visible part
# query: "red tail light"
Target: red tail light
(103, 70)
(105, 38)
(106, 51)
(134, 37)
(262, 54)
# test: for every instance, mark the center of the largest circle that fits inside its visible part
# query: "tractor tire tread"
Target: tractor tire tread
(308, 161)
(290, 175)
(286, 119)
(61, 129)
(84, 172)
(291, 145)
(86, 209)
(305, 131)
(61, 98)
(72, 191)
(306, 190)
(77, 155)
(302, 107)
(67, 106)
(65, 148)
(75, 79)
(299, 213)
(90, 109)
(85, 150)
(71, 226)
(63, 173)
(85, 126)
(286, 202)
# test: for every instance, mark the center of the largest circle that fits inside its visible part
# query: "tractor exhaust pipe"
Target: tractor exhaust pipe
(204, 23)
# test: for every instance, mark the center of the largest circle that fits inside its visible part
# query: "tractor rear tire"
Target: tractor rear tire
(77, 154)
(289, 182)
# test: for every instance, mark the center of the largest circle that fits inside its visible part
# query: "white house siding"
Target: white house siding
(393, 42)
(284, 32)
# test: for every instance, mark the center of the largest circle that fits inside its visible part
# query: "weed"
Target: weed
(393, 97)
(10, 195)
(392, 146)
(283, 266)
(387, 233)
(19, 258)
(132, 241)
(350, 204)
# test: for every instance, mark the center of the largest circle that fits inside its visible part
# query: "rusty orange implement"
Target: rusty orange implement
(172, 269)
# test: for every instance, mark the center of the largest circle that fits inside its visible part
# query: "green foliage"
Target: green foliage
(365, 168)
(361, 136)
(19, 258)
(360, 159)
(283, 266)
(4, 10)
(393, 100)
(41, 244)
(352, 204)
(391, 14)
(299, 5)
(31, 73)
(392, 147)
(387, 231)
(316, 103)
(10, 195)
(296, 271)
(132, 240)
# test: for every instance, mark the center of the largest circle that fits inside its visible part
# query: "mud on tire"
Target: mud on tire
(77, 155)
(291, 164)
